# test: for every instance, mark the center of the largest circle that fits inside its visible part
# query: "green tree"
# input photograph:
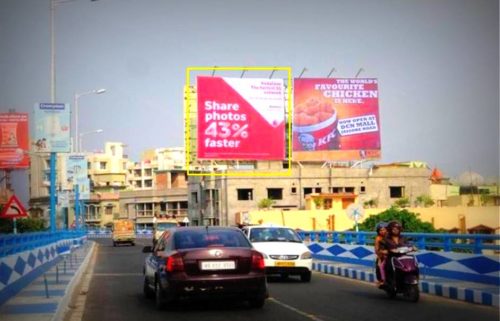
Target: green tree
(402, 202)
(265, 203)
(30, 225)
(370, 203)
(24, 225)
(409, 220)
(424, 200)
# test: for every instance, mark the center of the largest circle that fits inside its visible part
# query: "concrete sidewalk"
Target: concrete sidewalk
(47, 297)
(485, 294)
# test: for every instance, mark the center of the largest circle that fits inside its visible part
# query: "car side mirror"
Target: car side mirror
(147, 249)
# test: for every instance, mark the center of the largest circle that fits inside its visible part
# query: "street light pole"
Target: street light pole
(76, 98)
(53, 156)
(97, 131)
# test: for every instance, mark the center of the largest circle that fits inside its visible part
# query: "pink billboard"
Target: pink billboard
(336, 119)
(241, 118)
(14, 141)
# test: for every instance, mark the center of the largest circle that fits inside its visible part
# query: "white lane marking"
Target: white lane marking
(117, 274)
(289, 307)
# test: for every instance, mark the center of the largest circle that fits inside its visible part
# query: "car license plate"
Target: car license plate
(284, 263)
(218, 265)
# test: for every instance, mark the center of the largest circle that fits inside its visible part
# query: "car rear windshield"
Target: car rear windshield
(210, 237)
(273, 234)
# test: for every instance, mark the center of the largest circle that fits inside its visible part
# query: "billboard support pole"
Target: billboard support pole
(331, 72)
(77, 207)
(52, 192)
(359, 71)
(272, 73)
(302, 72)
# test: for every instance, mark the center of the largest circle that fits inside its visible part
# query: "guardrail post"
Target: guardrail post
(335, 237)
(361, 239)
(348, 238)
(46, 286)
(478, 245)
(421, 242)
(322, 236)
(447, 244)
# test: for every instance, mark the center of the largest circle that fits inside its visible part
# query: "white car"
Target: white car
(284, 251)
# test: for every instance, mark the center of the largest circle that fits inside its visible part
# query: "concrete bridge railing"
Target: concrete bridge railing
(465, 257)
(24, 257)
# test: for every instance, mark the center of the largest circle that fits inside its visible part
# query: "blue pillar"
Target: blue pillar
(77, 207)
(52, 192)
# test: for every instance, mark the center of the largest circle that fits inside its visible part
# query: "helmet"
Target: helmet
(380, 226)
(394, 224)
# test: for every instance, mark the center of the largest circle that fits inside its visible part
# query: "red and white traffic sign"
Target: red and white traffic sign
(13, 209)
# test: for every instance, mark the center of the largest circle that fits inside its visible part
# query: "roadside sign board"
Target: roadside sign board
(13, 209)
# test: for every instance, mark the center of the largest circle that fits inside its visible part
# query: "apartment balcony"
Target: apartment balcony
(93, 218)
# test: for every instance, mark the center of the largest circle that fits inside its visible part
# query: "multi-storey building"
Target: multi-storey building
(159, 187)
(216, 199)
(155, 186)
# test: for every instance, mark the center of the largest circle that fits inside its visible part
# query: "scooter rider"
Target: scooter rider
(392, 241)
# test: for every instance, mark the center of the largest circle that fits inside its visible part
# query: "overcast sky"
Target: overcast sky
(437, 62)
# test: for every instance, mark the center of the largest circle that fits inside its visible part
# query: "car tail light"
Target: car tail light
(258, 261)
(174, 263)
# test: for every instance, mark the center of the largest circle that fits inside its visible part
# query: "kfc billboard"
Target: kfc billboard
(241, 118)
(336, 119)
(14, 141)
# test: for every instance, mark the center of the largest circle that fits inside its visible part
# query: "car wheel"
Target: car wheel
(306, 277)
(257, 303)
(114, 244)
(148, 292)
(132, 243)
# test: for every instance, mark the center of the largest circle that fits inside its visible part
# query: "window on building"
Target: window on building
(145, 209)
(148, 183)
(102, 165)
(293, 190)
(194, 197)
(317, 190)
(275, 193)
(138, 184)
(307, 190)
(148, 172)
(337, 189)
(396, 191)
(245, 194)
(89, 165)
(108, 210)
(327, 203)
(362, 189)
(285, 165)
(113, 150)
(349, 189)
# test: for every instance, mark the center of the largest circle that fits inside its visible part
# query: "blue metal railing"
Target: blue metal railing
(16, 243)
(474, 243)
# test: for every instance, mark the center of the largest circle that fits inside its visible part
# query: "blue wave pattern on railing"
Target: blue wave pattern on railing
(435, 256)
(475, 243)
(22, 255)
(106, 233)
(15, 243)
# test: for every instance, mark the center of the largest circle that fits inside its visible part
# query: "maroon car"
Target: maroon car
(204, 262)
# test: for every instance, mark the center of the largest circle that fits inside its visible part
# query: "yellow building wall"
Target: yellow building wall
(442, 217)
